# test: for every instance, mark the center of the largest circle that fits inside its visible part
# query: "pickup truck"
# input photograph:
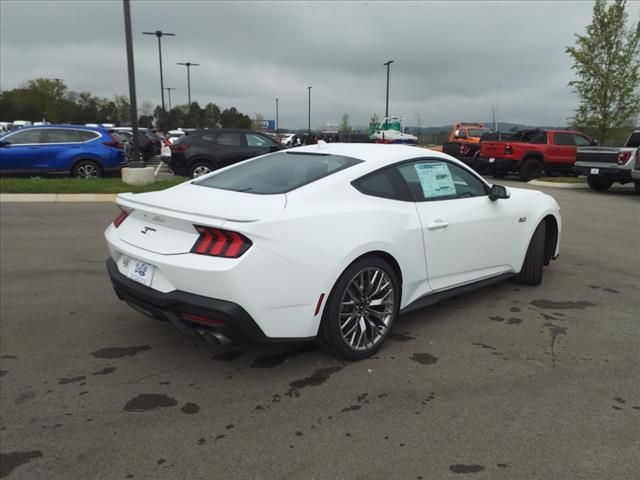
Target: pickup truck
(464, 141)
(604, 166)
(530, 153)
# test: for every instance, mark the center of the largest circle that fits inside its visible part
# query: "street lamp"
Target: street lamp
(136, 163)
(189, 65)
(387, 107)
(277, 125)
(168, 89)
(160, 34)
(309, 88)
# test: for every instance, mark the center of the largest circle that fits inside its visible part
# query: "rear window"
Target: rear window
(634, 140)
(278, 173)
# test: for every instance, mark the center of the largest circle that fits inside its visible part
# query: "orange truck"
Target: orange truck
(464, 141)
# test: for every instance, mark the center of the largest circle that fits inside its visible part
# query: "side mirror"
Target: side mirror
(594, 142)
(274, 148)
(456, 134)
(498, 192)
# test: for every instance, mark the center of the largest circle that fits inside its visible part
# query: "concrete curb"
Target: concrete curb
(56, 197)
(539, 183)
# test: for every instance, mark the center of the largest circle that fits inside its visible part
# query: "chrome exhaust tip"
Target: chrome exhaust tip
(214, 337)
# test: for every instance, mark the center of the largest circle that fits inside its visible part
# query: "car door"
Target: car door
(260, 144)
(60, 146)
(562, 149)
(466, 235)
(230, 148)
(19, 151)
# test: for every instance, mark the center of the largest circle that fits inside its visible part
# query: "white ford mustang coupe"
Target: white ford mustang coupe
(329, 242)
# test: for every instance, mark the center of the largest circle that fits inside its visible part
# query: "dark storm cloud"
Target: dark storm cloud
(449, 57)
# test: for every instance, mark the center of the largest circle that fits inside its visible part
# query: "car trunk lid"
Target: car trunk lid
(164, 221)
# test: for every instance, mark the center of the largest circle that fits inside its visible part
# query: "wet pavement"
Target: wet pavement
(506, 382)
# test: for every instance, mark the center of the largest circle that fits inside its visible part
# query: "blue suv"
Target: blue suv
(82, 152)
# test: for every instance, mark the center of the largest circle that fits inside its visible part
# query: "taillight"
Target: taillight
(166, 142)
(623, 157)
(181, 147)
(121, 217)
(114, 143)
(637, 165)
(508, 150)
(220, 243)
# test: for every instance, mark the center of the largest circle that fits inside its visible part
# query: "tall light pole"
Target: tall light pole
(277, 125)
(189, 65)
(160, 34)
(386, 114)
(309, 88)
(132, 86)
(168, 89)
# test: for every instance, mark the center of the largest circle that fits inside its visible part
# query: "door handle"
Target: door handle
(438, 224)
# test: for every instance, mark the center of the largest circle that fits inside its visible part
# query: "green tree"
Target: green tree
(232, 118)
(607, 63)
(344, 124)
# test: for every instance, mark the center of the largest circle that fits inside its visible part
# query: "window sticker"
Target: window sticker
(435, 179)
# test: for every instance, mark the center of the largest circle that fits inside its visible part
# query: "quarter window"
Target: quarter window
(24, 137)
(581, 141)
(385, 183)
(438, 180)
(59, 135)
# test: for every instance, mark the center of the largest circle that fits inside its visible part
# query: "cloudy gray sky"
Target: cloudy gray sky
(449, 57)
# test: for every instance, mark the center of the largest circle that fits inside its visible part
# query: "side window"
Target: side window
(581, 141)
(560, 138)
(59, 135)
(540, 138)
(384, 183)
(255, 140)
(24, 137)
(231, 139)
(86, 135)
(439, 180)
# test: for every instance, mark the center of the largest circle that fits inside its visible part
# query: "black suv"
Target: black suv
(201, 151)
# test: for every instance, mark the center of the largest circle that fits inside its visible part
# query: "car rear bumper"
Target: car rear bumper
(603, 170)
(186, 311)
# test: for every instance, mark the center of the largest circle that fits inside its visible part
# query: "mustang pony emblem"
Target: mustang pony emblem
(147, 230)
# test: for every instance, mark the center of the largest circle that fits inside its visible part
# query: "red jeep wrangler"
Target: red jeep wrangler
(531, 152)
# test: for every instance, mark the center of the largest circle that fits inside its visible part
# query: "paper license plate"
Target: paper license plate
(594, 171)
(491, 160)
(140, 272)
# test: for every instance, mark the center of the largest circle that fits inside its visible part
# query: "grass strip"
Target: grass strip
(75, 185)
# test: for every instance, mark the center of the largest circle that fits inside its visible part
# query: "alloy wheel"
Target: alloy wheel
(366, 308)
(200, 170)
(87, 170)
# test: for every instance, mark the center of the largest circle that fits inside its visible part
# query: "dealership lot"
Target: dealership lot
(506, 382)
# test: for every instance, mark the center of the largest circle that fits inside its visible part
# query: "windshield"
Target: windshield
(278, 173)
(477, 132)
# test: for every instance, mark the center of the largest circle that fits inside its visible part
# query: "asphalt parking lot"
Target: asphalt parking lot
(508, 382)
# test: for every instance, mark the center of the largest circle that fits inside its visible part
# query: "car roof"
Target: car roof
(78, 127)
(374, 154)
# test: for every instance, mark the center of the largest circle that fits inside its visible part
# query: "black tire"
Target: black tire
(531, 273)
(636, 185)
(531, 168)
(87, 169)
(199, 168)
(599, 184)
(331, 336)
